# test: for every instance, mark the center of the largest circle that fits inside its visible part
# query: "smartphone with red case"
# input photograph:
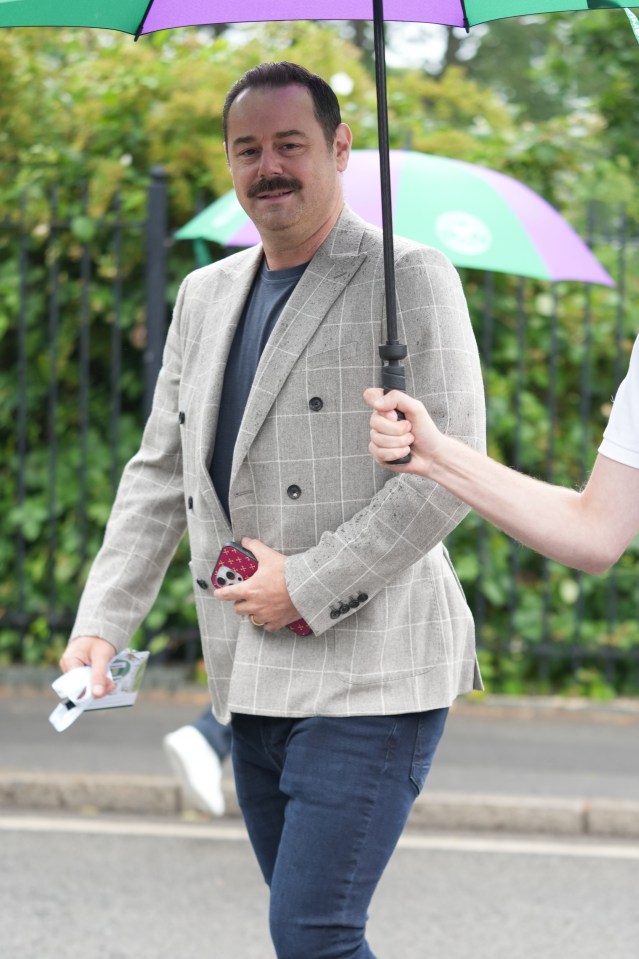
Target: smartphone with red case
(234, 565)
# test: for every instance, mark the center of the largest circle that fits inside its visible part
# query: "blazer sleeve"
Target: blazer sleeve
(148, 517)
(409, 515)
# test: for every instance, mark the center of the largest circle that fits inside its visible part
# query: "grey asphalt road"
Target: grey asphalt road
(491, 749)
(136, 889)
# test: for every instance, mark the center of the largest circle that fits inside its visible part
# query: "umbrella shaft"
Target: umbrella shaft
(384, 170)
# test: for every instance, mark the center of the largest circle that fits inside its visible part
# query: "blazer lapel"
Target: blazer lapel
(325, 278)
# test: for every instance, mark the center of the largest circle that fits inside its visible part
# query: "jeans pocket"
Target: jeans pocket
(428, 732)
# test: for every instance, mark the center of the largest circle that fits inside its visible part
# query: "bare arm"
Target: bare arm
(588, 530)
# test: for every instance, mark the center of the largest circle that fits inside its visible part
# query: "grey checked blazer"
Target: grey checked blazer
(365, 562)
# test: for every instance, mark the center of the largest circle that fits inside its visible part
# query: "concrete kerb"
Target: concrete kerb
(528, 815)
(613, 818)
(148, 795)
(98, 793)
(161, 796)
(514, 814)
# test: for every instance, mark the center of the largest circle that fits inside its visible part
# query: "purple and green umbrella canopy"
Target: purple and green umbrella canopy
(478, 217)
(141, 16)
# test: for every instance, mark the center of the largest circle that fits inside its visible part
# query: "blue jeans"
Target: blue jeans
(325, 801)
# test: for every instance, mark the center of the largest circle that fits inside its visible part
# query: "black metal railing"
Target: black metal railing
(83, 314)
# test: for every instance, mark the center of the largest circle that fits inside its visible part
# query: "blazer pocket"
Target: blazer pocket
(332, 358)
(394, 638)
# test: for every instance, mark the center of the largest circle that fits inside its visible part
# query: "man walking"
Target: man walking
(258, 432)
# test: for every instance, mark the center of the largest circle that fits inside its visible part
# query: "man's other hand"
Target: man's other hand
(94, 652)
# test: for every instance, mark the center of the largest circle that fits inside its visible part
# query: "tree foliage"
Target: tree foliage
(85, 115)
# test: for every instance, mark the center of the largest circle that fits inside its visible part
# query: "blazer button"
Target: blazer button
(362, 597)
(335, 613)
(202, 583)
(353, 602)
(315, 403)
(181, 418)
(190, 502)
(294, 491)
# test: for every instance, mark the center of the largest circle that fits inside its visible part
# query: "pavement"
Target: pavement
(544, 766)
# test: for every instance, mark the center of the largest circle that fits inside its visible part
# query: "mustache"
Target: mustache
(272, 184)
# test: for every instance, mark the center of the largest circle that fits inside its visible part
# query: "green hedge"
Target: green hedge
(84, 108)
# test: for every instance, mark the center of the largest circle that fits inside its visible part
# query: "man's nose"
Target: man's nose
(270, 163)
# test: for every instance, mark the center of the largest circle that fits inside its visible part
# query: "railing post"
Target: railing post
(156, 246)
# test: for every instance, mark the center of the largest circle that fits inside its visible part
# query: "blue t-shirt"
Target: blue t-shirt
(268, 297)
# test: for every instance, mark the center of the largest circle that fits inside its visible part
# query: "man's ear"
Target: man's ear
(342, 145)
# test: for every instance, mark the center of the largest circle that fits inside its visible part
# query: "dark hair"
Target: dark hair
(283, 74)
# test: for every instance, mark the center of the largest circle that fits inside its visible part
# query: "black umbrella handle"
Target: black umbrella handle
(394, 378)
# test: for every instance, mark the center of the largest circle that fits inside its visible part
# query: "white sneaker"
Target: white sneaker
(198, 768)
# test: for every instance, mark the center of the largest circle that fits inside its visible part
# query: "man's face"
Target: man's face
(285, 174)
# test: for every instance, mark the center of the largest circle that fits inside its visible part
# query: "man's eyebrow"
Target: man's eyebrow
(238, 141)
(290, 133)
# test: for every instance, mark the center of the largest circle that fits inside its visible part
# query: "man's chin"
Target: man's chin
(274, 221)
